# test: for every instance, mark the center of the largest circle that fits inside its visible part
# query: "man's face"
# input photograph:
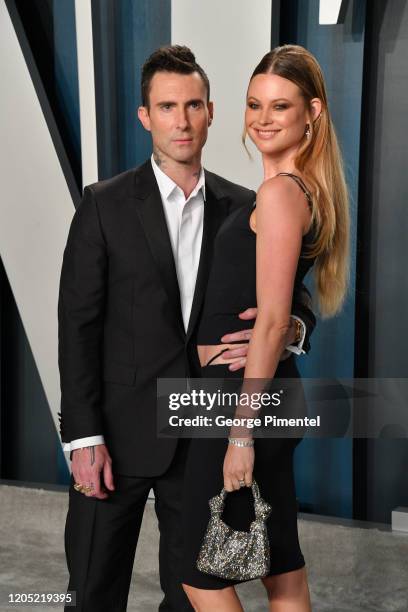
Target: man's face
(178, 116)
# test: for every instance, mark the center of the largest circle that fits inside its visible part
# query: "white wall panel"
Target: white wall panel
(228, 38)
(86, 84)
(35, 209)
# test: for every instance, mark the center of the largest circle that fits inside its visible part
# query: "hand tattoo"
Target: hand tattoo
(92, 454)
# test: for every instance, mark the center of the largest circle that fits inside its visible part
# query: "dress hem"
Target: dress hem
(228, 583)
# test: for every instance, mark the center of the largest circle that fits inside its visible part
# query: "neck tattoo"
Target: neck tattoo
(158, 159)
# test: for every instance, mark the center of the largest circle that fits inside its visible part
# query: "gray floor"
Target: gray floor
(351, 569)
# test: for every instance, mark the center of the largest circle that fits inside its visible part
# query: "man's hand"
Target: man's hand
(87, 466)
(245, 335)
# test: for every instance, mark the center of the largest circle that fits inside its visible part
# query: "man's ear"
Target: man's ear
(210, 107)
(143, 114)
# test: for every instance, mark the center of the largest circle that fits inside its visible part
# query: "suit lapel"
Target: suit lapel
(215, 211)
(151, 215)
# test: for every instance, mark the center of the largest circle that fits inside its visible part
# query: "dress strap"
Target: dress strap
(301, 184)
(215, 356)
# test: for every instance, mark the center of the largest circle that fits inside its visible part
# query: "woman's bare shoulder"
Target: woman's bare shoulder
(285, 198)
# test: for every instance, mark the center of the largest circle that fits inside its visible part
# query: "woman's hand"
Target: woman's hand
(238, 466)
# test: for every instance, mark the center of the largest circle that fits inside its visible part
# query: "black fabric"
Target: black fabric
(232, 283)
(273, 471)
(101, 538)
(120, 322)
(121, 328)
(231, 289)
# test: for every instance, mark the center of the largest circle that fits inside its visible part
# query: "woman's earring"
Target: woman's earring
(307, 132)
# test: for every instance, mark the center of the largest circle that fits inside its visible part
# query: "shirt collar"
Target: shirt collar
(167, 185)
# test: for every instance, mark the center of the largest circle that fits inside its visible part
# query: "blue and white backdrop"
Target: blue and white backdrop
(69, 93)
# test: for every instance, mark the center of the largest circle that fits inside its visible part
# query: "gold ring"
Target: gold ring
(87, 489)
(78, 487)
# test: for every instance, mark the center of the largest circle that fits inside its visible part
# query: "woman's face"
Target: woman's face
(276, 114)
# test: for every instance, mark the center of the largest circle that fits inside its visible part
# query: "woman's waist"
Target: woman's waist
(213, 354)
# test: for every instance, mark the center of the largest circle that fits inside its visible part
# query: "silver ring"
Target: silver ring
(241, 483)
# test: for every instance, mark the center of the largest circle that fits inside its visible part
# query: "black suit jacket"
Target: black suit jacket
(120, 321)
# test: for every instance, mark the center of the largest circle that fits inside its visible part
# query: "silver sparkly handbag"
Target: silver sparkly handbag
(236, 555)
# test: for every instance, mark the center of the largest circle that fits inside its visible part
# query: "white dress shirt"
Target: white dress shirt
(184, 218)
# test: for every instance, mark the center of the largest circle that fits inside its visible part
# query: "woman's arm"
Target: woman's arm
(282, 217)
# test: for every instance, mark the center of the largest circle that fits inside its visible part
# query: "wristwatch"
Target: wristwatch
(299, 331)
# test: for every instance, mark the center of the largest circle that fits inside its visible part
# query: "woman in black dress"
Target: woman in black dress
(262, 254)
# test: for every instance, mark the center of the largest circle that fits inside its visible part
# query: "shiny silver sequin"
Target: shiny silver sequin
(236, 555)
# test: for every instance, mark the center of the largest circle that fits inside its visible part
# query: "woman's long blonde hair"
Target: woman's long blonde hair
(320, 160)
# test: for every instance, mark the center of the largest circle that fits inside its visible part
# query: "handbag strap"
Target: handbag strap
(262, 508)
(255, 490)
(254, 487)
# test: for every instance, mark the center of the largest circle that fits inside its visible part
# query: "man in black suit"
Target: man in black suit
(133, 279)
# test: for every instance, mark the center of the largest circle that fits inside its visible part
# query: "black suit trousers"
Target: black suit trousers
(101, 538)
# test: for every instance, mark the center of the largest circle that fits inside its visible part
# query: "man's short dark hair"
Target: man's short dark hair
(172, 58)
